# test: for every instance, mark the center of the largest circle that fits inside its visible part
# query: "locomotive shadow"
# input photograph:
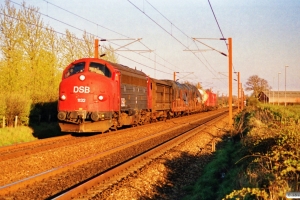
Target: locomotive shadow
(43, 120)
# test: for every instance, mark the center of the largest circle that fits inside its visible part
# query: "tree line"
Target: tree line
(32, 58)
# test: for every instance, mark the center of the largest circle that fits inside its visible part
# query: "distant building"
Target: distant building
(275, 97)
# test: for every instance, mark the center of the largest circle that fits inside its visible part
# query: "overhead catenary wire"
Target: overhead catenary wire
(100, 26)
(217, 23)
(84, 18)
(189, 36)
(170, 33)
(172, 24)
(218, 26)
(122, 36)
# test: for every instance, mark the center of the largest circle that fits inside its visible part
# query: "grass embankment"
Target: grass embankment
(261, 160)
(10, 135)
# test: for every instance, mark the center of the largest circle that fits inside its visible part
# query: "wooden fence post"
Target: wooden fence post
(16, 121)
(213, 146)
(3, 122)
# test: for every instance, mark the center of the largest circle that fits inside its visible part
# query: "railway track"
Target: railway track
(63, 177)
(91, 188)
(27, 148)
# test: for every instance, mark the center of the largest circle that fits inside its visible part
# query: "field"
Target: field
(259, 159)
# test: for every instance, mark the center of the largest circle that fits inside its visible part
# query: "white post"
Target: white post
(278, 90)
(273, 90)
(285, 85)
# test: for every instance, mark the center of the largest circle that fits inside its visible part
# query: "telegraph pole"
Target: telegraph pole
(230, 80)
(278, 90)
(285, 85)
(239, 90)
(242, 97)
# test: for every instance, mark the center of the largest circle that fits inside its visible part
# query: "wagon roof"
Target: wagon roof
(127, 69)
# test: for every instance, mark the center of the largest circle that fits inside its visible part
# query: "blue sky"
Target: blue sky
(265, 36)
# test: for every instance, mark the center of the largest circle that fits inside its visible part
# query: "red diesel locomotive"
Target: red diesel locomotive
(96, 95)
(211, 102)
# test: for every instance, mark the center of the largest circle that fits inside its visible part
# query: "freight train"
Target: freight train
(97, 95)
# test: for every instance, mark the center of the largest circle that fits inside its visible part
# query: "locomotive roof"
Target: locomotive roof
(120, 67)
(163, 82)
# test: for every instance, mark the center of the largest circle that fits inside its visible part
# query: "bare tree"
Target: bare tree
(256, 84)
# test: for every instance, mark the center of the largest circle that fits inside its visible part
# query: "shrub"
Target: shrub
(2, 110)
(17, 105)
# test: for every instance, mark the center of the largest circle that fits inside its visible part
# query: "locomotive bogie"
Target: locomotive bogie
(99, 126)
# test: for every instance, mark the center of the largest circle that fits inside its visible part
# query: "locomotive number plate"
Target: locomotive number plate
(81, 100)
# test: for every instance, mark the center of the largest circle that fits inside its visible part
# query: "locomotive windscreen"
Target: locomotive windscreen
(100, 69)
(78, 67)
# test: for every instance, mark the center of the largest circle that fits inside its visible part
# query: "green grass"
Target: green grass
(212, 185)
(9, 136)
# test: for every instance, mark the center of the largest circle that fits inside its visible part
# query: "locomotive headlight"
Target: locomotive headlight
(82, 77)
(100, 97)
(63, 97)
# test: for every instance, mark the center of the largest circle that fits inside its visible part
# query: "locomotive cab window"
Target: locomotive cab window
(100, 69)
(77, 68)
